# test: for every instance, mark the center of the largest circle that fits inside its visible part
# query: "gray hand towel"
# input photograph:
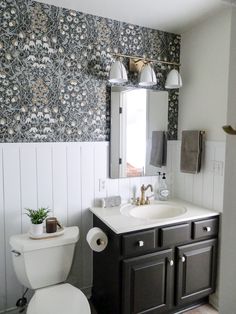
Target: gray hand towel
(191, 151)
(159, 149)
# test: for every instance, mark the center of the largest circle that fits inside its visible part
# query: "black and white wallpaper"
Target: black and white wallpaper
(54, 66)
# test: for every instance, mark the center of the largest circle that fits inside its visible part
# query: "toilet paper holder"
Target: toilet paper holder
(97, 239)
(100, 242)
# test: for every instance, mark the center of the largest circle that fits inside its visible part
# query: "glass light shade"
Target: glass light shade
(147, 76)
(173, 80)
(118, 73)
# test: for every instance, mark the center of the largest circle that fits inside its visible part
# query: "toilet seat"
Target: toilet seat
(59, 299)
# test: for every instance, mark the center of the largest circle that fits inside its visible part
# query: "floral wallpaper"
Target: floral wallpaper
(54, 66)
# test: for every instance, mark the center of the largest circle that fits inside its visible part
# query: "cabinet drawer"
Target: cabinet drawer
(205, 228)
(140, 242)
(175, 234)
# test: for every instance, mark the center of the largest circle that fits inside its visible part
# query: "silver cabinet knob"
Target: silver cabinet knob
(182, 259)
(207, 229)
(171, 262)
(140, 243)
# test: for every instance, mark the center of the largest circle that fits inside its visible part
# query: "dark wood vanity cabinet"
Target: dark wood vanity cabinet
(160, 270)
(146, 283)
(196, 267)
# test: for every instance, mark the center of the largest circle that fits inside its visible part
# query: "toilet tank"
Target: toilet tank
(44, 262)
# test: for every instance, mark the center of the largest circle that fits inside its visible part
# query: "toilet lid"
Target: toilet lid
(60, 299)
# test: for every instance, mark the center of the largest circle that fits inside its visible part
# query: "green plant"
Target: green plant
(37, 216)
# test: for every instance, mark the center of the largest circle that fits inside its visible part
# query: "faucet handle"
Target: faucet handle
(137, 202)
(147, 202)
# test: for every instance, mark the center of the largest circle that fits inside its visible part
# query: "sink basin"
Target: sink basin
(154, 211)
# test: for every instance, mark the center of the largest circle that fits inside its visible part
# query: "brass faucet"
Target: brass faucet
(144, 201)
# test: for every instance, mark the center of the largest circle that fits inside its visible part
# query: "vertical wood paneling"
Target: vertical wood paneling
(100, 169)
(169, 167)
(179, 177)
(2, 238)
(74, 184)
(124, 189)
(59, 182)
(74, 208)
(134, 187)
(29, 197)
(208, 177)
(219, 178)
(112, 187)
(13, 215)
(169, 156)
(87, 192)
(65, 177)
(175, 159)
(188, 192)
(197, 189)
(206, 187)
(44, 174)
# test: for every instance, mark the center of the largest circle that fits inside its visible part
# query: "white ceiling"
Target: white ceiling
(168, 15)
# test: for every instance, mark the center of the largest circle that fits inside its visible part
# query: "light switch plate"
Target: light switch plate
(102, 185)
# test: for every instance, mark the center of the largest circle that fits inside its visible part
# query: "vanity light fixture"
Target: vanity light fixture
(173, 80)
(118, 74)
(147, 76)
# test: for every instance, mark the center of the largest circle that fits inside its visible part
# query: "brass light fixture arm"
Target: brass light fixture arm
(139, 58)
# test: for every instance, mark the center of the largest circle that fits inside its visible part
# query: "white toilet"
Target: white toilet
(43, 265)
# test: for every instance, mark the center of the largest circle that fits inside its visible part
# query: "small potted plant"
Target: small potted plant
(37, 218)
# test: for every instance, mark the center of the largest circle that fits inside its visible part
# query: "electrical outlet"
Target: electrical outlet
(102, 185)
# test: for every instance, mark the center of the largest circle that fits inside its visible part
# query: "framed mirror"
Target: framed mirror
(139, 120)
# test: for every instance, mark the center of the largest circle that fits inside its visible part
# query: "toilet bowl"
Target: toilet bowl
(43, 265)
(59, 299)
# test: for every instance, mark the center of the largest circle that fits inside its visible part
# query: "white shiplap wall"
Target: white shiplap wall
(205, 188)
(65, 177)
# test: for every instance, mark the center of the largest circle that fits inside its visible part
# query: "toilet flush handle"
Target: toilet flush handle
(16, 253)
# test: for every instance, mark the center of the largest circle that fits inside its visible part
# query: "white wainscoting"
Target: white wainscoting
(65, 177)
(207, 187)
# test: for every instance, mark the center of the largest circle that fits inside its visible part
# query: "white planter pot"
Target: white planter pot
(36, 230)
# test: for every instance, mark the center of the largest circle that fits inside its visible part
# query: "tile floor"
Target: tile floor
(204, 309)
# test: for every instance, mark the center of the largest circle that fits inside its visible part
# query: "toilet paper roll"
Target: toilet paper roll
(97, 239)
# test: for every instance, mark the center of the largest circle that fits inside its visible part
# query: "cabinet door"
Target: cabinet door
(147, 283)
(196, 270)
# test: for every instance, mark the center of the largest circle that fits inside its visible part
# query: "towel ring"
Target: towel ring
(229, 129)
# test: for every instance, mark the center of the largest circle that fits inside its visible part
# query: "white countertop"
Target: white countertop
(120, 223)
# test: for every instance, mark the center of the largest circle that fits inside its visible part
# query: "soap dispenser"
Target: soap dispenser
(163, 189)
